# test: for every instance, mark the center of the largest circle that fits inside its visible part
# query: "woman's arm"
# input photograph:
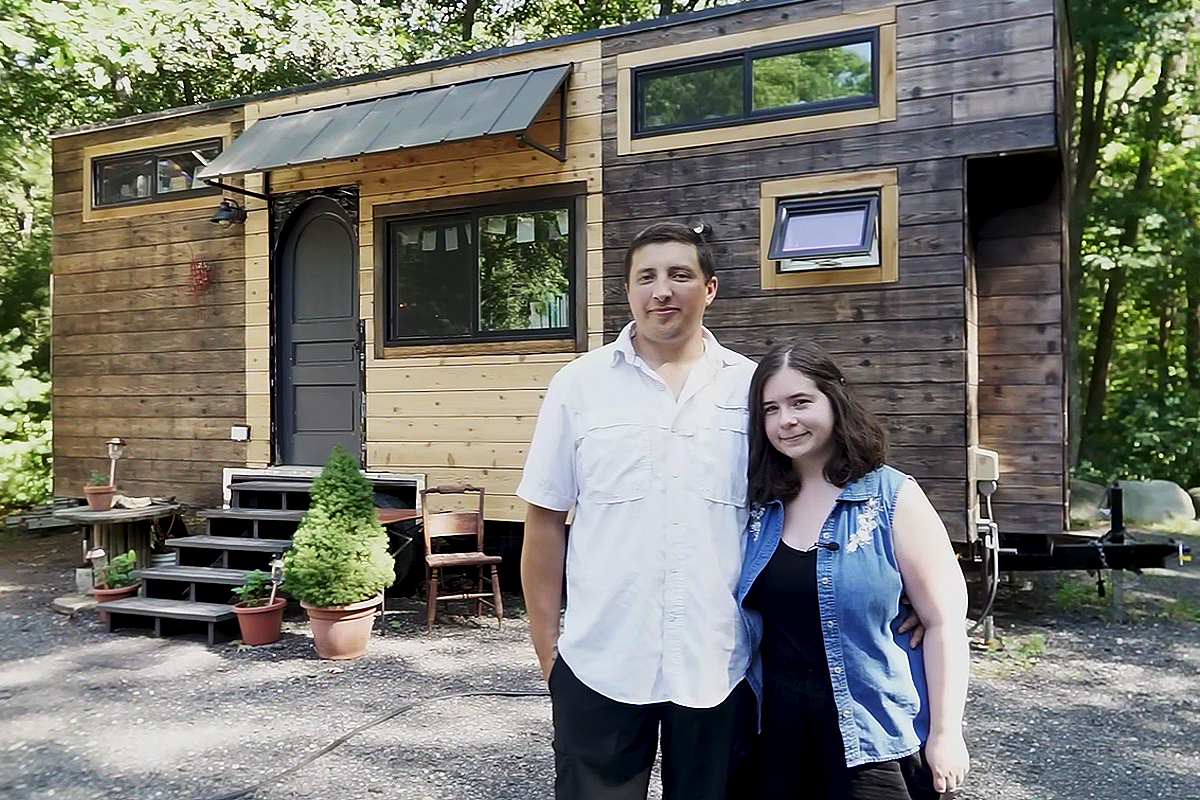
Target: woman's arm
(934, 583)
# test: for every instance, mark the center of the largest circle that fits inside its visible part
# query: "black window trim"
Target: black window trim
(790, 206)
(567, 202)
(747, 57)
(154, 153)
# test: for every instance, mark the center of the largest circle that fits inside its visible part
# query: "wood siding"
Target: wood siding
(455, 418)
(971, 78)
(136, 352)
(1022, 397)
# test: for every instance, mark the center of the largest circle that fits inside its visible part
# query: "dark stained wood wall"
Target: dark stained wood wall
(973, 76)
(135, 352)
(1019, 258)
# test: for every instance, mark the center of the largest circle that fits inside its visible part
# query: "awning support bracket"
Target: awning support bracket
(237, 189)
(560, 152)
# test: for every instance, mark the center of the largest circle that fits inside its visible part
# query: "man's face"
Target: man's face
(668, 292)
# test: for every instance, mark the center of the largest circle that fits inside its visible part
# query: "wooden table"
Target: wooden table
(119, 530)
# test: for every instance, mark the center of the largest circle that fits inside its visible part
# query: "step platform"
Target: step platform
(214, 616)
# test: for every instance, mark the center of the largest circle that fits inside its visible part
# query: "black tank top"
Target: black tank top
(785, 593)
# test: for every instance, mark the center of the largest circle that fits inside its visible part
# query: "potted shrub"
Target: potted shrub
(338, 565)
(99, 491)
(115, 580)
(259, 612)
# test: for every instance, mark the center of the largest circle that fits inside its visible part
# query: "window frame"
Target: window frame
(155, 154)
(746, 57)
(550, 201)
(788, 207)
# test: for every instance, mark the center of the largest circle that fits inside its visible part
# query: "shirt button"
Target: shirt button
(825, 581)
(846, 713)
(837, 670)
(830, 623)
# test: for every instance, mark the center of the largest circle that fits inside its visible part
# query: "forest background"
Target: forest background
(1133, 175)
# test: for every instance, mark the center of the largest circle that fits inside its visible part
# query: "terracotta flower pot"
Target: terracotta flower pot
(260, 624)
(341, 632)
(100, 498)
(104, 595)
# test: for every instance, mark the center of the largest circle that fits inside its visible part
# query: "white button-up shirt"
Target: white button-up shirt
(658, 485)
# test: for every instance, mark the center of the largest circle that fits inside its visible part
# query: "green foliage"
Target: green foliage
(1072, 595)
(98, 478)
(256, 590)
(118, 572)
(339, 553)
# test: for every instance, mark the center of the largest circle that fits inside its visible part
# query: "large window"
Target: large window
(151, 174)
(491, 274)
(808, 76)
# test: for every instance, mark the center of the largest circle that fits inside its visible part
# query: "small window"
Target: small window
(826, 232)
(152, 175)
(809, 76)
(493, 274)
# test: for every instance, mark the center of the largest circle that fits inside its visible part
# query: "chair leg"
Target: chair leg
(498, 603)
(431, 601)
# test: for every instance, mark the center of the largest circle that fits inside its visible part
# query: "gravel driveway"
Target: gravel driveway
(1071, 705)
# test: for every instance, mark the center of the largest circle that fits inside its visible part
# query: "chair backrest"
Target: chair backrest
(455, 522)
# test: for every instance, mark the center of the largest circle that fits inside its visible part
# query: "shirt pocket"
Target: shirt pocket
(721, 455)
(614, 465)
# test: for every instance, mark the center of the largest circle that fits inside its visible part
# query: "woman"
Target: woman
(835, 538)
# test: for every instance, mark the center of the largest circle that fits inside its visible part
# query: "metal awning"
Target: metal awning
(485, 107)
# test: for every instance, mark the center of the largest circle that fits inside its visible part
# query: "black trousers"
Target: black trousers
(802, 753)
(604, 750)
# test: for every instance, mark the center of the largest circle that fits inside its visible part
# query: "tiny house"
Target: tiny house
(407, 257)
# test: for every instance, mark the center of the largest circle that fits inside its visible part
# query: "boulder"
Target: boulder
(1156, 501)
(1086, 499)
(1195, 493)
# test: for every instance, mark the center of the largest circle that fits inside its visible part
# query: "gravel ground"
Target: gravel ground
(1066, 705)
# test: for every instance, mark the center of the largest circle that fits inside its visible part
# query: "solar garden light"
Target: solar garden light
(115, 447)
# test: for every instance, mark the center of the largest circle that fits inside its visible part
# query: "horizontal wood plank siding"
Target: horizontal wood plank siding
(972, 78)
(138, 352)
(454, 418)
(1022, 399)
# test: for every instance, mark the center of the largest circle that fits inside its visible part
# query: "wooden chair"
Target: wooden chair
(439, 527)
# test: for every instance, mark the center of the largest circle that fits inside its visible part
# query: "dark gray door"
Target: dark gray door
(319, 382)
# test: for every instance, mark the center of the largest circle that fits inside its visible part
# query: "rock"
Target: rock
(1156, 501)
(1086, 499)
(1195, 493)
(72, 603)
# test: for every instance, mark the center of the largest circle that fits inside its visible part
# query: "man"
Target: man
(646, 439)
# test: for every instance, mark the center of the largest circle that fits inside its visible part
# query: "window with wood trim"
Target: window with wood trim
(150, 175)
(830, 232)
(816, 75)
(500, 273)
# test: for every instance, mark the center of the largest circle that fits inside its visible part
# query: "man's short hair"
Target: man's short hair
(665, 233)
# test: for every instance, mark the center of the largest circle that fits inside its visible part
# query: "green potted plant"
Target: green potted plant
(259, 612)
(99, 491)
(116, 580)
(338, 565)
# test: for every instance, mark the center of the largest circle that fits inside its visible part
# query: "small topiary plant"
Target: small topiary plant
(339, 553)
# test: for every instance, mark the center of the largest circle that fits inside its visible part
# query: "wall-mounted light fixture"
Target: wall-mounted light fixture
(229, 212)
(702, 229)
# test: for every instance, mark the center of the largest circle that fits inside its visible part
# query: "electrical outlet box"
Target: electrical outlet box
(239, 433)
(987, 464)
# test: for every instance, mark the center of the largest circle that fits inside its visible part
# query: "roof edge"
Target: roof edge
(427, 66)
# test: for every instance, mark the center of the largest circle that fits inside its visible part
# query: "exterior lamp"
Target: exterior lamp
(228, 213)
(115, 447)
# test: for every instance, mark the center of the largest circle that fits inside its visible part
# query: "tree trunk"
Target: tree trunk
(1097, 388)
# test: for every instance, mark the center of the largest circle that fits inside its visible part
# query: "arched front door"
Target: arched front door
(318, 384)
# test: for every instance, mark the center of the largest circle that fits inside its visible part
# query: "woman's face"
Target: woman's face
(798, 418)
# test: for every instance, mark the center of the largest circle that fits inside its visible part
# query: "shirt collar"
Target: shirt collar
(714, 353)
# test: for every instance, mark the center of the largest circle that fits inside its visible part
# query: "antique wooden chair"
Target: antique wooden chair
(448, 534)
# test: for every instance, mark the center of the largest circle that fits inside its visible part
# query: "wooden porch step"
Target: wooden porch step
(209, 614)
(229, 577)
(294, 485)
(274, 514)
(231, 543)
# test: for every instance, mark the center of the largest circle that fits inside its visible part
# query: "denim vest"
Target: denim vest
(878, 681)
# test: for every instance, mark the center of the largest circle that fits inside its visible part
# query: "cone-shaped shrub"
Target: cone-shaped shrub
(339, 552)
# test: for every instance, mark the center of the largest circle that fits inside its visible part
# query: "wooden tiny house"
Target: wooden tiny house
(422, 249)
